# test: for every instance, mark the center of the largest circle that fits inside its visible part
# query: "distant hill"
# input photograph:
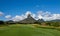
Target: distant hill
(56, 20)
(10, 22)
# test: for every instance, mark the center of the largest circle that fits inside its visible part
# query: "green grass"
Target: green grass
(27, 30)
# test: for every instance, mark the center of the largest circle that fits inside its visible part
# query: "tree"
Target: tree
(1, 22)
(48, 23)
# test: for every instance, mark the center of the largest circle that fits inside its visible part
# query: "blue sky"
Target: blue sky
(18, 7)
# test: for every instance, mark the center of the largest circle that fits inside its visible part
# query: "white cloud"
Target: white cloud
(52, 17)
(1, 13)
(47, 15)
(29, 12)
(23, 16)
(56, 16)
(40, 15)
(33, 15)
(17, 18)
(8, 16)
(26, 14)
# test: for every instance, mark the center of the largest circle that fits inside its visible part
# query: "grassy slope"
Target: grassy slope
(24, 30)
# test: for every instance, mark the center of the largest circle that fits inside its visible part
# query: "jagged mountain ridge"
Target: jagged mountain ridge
(30, 19)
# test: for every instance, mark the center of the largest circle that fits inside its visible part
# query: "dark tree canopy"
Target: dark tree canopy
(1, 22)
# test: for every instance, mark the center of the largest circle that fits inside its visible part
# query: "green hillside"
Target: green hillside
(27, 30)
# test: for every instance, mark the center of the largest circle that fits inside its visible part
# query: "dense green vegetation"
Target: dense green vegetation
(28, 30)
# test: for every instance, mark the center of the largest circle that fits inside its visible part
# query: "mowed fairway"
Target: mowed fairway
(27, 30)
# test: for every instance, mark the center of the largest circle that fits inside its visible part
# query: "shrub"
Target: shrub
(48, 23)
(37, 22)
(56, 24)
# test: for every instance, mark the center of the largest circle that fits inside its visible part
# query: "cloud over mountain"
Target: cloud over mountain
(40, 15)
(48, 16)
(23, 16)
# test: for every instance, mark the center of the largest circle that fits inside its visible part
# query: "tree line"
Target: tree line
(47, 23)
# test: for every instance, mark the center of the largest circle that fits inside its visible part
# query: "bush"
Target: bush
(48, 23)
(56, 24)
(37, 22)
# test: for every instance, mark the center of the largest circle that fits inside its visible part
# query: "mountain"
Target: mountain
(10, 22)
(40, 20)
(56, 20)
(28, 20)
